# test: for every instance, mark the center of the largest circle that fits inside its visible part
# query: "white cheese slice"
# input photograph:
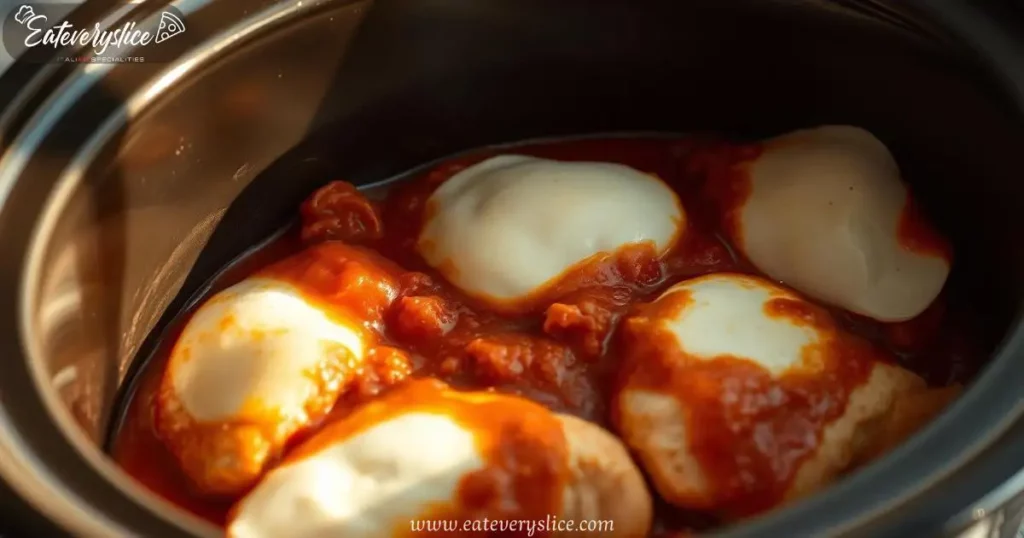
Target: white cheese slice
(823, 216)
(506, 227)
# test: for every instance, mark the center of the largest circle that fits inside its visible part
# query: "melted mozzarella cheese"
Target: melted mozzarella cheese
(507, 226)
(823, 216)
(367, 486)
(726, 315)
(408, 455)
(252, 348)
(729, 315)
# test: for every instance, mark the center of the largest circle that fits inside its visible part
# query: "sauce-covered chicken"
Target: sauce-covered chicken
(825, 211)
(423, 451)
(738, 394)
(507, 229)
(266, 358)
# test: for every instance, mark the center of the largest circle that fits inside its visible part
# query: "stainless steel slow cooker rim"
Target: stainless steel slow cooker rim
(15, 458)
(774, 521)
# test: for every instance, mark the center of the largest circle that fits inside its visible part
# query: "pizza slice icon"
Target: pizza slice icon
(170, 26)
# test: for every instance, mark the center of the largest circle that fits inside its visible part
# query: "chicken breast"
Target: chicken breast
(825, 211)
(426, 452)
(265, 358)
(738, 395)
(506, 229)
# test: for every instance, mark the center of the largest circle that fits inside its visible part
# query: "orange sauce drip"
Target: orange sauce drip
(916, 234)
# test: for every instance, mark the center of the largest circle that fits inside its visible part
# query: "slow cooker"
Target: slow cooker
(123, 186)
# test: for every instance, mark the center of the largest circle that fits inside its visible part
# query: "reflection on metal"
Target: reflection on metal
(120, 229)
(981, 529)
(1005, 518)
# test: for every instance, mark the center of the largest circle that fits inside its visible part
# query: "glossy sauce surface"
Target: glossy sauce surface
(524, 450)
(770, 421)
(560, 352)
(288, 376)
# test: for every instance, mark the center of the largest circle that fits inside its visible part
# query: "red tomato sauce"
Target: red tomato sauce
(560, 352)
(916, 236)
(523, 447)
(770, 423)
